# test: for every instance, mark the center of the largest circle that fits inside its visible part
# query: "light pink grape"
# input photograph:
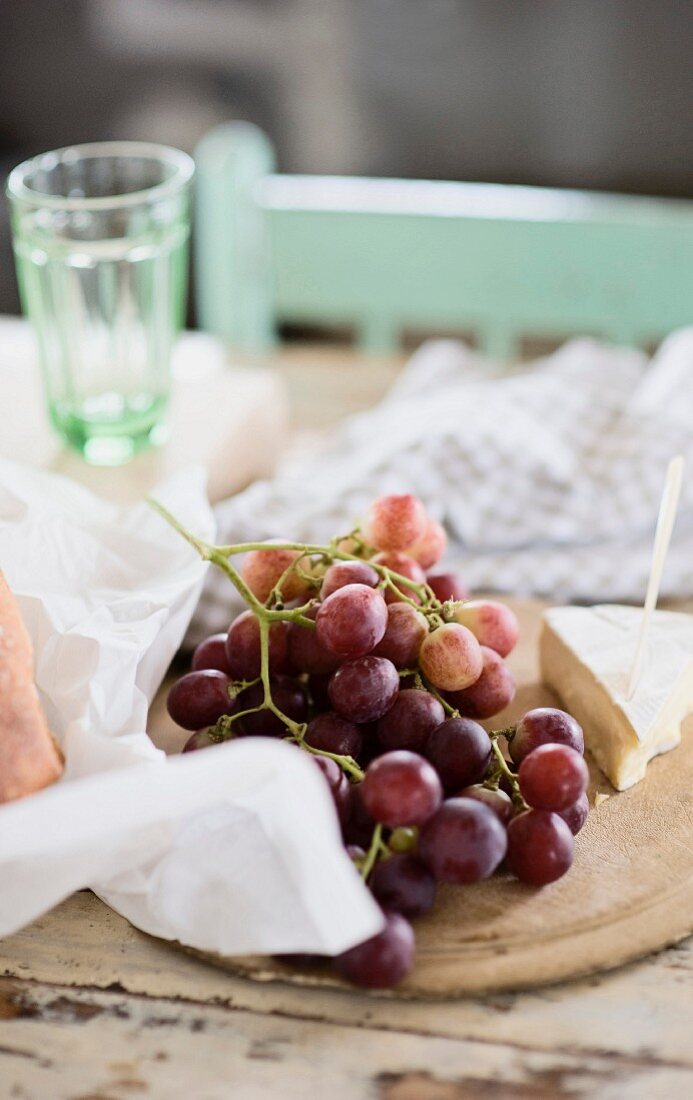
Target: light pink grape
(492, 623)
(394, 522)
(450, 657)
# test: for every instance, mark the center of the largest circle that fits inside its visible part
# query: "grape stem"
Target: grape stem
(373, 852)
(504, 770)
(449, 710)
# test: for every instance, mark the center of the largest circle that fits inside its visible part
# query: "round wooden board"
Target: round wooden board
(629, 892)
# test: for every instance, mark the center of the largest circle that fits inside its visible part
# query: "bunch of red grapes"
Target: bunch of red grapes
(382, 669)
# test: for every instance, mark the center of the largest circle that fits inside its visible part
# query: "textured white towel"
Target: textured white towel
(547, 479)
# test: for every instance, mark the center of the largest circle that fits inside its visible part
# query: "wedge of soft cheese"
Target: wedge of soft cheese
(586, 657)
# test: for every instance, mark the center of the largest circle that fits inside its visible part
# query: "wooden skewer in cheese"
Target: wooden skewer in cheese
(29, 757)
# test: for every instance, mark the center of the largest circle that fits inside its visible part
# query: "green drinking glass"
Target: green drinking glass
(100, 237)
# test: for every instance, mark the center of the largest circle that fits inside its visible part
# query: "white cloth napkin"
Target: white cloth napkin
(548, 479)
(234, 849)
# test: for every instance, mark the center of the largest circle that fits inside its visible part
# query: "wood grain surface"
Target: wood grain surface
(629, 892)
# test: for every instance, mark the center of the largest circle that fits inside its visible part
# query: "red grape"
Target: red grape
(261, 569)
(332, 733)
(495, 799)
(430, 547)
(575, 816)
(492, 623)
(553, 777)
(364, 689)
(405, 567)
(199, 698)
(340, 787)
(401, 788)
(405, 631)
(460, 751)
(540, 847)
(348, 572)
(447, 586)
(450, 657)
(243, 647)
(351, 621)
(211, 654)
(492, 692)
(463, 842)
(304, 649)
(198, 740)
(409, 720)
(403, 884)
(545, 726)
(384, 960)
(394, 522)
(286, 694)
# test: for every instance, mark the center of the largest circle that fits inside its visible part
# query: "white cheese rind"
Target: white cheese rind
(586, 654)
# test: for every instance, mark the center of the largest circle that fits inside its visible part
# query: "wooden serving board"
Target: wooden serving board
(629, 892)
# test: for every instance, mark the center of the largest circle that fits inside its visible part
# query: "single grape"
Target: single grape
(450, 657)
(405, 567)
(463, 842)
(403, 839)
(545, 726)
(360, 825)
(394, 522)
(575, 816)
(540, 847)
(198, 740)
(403, 884)
(340, 787)
(243, 647)
(211, 654)
(492, 692)
(495, 799)
(364, 689)
(405, 631)
(460, 751)
(384, 960)
(553, 777)
(305, 652)
(430, 547)
(332, 733)
(409, 720)
(492, 623)
(401, 788)
(286, 694)
(342, 573)
(447, 586)
(199, 698)
(261, 569)
(351, 621)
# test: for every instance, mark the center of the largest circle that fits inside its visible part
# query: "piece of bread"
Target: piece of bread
(29, 757)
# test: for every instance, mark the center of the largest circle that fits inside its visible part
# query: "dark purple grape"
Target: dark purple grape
(545, 726)
(463, 842)
(198, 740)
(495, 799)
(403, 884)
(384, 960)
(410, 719)
(340, 787)
(364, 689)
(447, 586)
(401, 788)
(348, 572)
(492, 692)
(351, 621)
(575, 816)
(460, 751)
(211, 654)
(405, 631)
(286, 694)
(359, 828)
(332, 733)
(540, 847)
(199, 698)
(305, 652)
(243, 647)
(553, 777)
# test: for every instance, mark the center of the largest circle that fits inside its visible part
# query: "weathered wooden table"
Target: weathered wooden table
(91, 1009)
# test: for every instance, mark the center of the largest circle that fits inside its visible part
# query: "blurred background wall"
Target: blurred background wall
(578, 93)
